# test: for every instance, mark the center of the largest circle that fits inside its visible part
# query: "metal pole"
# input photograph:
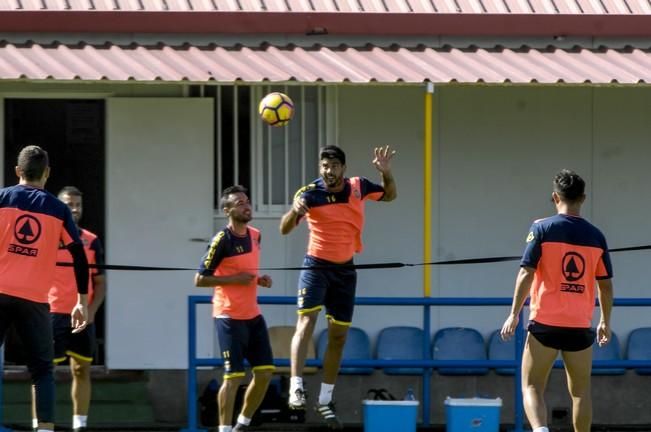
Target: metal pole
(517, 400)
(427, 243)
(192, 367)
(427, 191)
(427, 372)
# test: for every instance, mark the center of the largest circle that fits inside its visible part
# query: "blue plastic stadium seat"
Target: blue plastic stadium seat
(610, 351)
(358, 347)
(400, 343)
(639, 347)
(281, 344)
(501, 350)
(457, 343)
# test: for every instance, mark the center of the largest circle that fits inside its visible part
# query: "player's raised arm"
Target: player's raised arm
(210, 281)
(382, 162)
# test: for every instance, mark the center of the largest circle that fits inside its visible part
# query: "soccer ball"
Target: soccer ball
(276, 109)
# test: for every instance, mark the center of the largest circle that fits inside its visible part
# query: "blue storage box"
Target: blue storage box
(390, 416)
(472, 415)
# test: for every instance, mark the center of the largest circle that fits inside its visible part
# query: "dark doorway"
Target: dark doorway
(72, 132)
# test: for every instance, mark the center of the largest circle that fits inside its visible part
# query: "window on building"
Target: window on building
(271, 162)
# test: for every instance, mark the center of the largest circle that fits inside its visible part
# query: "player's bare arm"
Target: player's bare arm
(605, 287)
(382, 162)
(290, 219)
(79, 314)
(522, 287)
(207, 281)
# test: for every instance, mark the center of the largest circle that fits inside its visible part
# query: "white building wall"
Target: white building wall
(373, 117)
(496, 150)
(500, 147)
(621, 181)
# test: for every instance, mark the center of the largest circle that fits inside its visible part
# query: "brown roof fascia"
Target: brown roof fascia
(332, 23)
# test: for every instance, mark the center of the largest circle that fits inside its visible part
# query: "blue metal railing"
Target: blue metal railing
(429, 365)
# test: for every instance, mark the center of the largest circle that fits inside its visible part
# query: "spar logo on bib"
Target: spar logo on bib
(27, 231)
(573, 270)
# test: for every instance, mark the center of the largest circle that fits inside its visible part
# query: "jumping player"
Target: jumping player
(333, 206)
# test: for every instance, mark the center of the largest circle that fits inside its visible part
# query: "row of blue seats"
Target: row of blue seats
(458, 343)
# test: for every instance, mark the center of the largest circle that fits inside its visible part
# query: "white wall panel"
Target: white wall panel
(621, 205)
(159, 196)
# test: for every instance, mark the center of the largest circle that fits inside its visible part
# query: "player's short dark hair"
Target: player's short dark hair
(223, 202)
(70, 190)
(569, 185)
(333, 152)
(32, 162)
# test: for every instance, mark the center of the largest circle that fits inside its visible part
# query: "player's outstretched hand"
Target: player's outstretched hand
(382, 160)
(78, 318)
(265, 281)
(508, 329)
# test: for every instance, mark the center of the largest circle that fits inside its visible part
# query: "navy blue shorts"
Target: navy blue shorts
(562, 338)
(332, 287)
(80, 345)
(31, 321)
(244, 339)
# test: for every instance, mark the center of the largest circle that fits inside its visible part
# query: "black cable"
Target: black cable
(351, 266)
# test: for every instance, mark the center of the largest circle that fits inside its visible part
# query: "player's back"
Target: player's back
(31, 229)
(570, 229)
(573, 255)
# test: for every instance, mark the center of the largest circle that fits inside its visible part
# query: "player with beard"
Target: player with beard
(333, 206)
(229, 266)
(78, 347)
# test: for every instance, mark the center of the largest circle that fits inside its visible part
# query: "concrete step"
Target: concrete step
(117, 397)
(105, 413)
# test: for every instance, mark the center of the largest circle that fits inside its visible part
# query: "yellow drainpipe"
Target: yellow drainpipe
(427, 190)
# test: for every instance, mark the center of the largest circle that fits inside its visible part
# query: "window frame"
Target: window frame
(327, 124)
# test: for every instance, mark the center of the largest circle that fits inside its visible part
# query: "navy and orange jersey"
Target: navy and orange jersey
(336, 219)
(63, 293)
(569, 255)
(33, 223)
(230, 254)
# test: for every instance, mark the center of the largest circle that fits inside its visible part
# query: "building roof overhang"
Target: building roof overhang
(331, 23)
(342, 64)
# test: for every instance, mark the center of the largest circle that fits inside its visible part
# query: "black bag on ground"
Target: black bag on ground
(274, 408)
(208, 408)
(379, 394)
